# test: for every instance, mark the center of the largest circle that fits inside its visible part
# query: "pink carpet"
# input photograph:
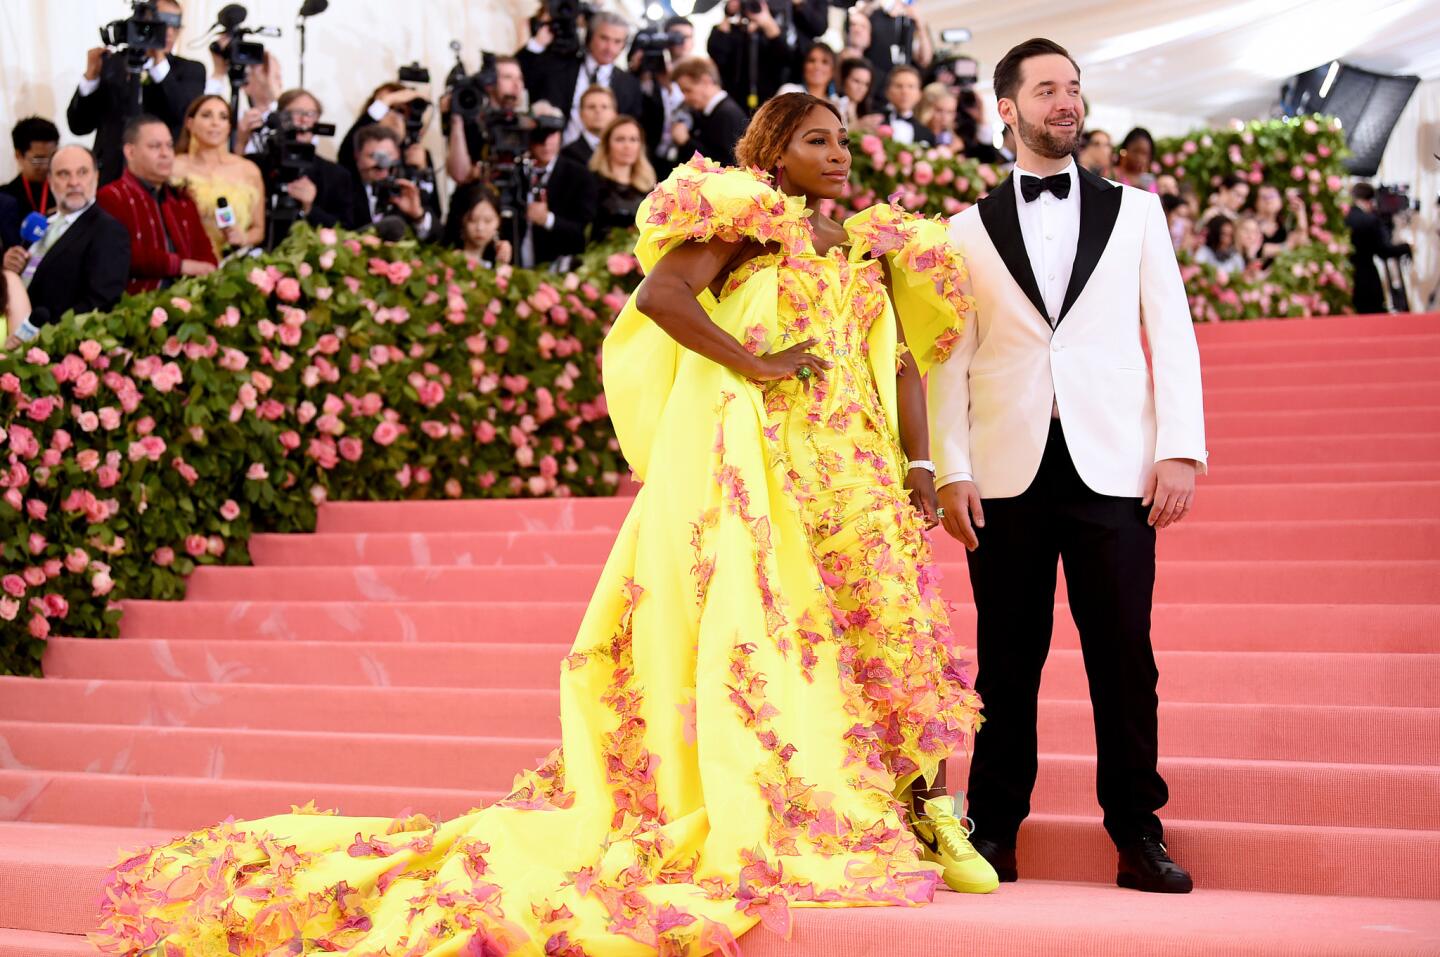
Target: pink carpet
(1297, 629)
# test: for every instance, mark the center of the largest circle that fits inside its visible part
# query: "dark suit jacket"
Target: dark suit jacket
(106, 111)
(552, 78)
(717, 134)
(334, 192)
(731, 52)
(10, 220)
(579, 151)
(571, 193)
(1368, 240)
(86, 269)
(16, 188)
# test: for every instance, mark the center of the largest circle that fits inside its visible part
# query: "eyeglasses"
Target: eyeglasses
(304, 114)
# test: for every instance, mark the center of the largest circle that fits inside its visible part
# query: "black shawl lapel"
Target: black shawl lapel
(1002, 222)
(1099, 207)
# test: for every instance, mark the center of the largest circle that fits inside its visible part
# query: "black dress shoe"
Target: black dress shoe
(1146, 866)
(1000, 858)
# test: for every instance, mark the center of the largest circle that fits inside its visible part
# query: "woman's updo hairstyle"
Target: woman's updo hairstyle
(773, 126)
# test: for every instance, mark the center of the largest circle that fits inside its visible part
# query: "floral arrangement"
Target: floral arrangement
(1308, 281)
(1301, 153)
(139, 444)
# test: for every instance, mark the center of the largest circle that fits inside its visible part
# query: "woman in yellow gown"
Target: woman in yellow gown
(765, 643)
(206, 168)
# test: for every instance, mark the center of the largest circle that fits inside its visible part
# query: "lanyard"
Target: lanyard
(44, 195)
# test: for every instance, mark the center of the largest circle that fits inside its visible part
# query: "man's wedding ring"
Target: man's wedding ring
(804, 373)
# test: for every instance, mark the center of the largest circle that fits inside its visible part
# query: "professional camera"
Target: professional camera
(139, 35)
(285, 159)
(414, 110)
(563, 20)
(654, 46)
(239, 53)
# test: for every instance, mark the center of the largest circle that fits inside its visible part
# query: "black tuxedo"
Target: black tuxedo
(1368, 240)
(732, 51)
(86, 269)
(1108, 552)
(10, 220)
(571, 193)
(717, 133)
(17, 189)
(361, 217)
(553, 78)
(106, 111)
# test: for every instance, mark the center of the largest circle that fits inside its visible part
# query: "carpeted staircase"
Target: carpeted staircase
(406, 656)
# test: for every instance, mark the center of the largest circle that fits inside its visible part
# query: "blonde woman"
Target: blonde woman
(207, 169)
(939, 108)
(623, 174)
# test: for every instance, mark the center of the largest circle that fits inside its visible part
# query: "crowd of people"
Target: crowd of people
(189, 183)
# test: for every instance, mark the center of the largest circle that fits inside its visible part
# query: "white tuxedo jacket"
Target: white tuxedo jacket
(990, 403)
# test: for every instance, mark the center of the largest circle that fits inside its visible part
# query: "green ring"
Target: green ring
(804, 373)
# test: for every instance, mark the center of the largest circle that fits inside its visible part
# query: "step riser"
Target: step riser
(1299, 678)
(1349, 327)
(1339, 351)
(1223, 855)
(1259, 792)
(1315, 499)
(1186, 542)
(1251, 397)
(1305, 374)
(1212, 582)
(1238, 424)
(1214, 627)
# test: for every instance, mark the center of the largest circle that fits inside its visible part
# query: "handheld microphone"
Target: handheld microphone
(224, 214)
(33, 229)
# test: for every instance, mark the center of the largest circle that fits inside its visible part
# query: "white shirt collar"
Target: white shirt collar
(593, 67)
(592, 138)
(714, 102)
(71, 217)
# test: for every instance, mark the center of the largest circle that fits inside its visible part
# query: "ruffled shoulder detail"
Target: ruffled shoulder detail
(927, 276)
(701, 200)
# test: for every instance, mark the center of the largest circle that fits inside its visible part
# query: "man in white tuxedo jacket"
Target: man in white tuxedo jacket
(1054, 441)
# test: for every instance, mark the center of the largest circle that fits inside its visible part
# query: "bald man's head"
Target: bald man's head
(74, 178)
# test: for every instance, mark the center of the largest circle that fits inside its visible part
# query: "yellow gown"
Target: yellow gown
(765, 640)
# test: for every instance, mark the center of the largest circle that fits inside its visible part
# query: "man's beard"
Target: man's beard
(1047, 144)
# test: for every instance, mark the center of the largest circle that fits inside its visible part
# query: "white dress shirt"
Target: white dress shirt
(527, 243)
(1051, 227)
(591, 74)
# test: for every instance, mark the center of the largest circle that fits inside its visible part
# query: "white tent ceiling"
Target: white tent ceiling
(1211, 59)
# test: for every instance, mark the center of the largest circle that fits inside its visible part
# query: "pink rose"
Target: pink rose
(262, 280)
(288, 289)
(290, 439)
(158, 317)
(39, 627)
(36, 543)
(351, 449)
(167, 377)
(101, 583)
(385, 433)
(13, 585)
(195, 545)
(257, 472)
(230, 510)
(109, 418)
(164, 556)
(9, 609)
(56, 606)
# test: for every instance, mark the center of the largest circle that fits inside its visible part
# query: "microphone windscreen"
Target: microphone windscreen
(231, 16)
(33, 228)
(391, 228)
(312, 8)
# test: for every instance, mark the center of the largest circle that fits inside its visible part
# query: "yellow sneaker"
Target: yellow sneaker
(945, 840)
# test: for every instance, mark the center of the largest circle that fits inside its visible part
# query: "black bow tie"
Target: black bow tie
(1032, 186)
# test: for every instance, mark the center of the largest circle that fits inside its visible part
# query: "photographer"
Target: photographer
(560, 77)
(1369, 240)
(325, 191)
(504, 91)
(560, 205)
(663, 99)
(380, 192)
(263, 84)
(389, 106)
(716, 121)
(893, 34)
(107, 97)
(751, 53)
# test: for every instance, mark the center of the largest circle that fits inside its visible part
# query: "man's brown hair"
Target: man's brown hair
(1008, 70)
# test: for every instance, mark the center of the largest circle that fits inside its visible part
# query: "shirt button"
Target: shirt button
(1052, 277)
(1056, 347)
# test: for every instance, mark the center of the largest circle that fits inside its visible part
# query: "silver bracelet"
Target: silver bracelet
(925, 464)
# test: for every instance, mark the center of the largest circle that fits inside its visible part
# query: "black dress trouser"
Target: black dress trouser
(1108, 550)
